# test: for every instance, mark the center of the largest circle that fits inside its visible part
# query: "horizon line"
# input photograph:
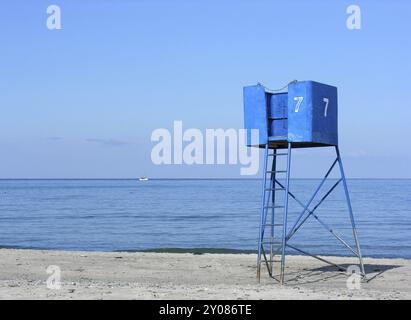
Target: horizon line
(200, 178)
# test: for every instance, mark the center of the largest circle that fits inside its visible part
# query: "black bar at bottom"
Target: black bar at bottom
(196, 309)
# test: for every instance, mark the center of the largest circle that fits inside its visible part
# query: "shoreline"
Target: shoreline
(148, 275)
(194, 250)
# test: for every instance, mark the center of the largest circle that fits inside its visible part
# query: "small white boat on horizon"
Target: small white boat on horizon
(143, 179)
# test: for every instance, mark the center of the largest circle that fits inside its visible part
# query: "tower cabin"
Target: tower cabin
(305, 116)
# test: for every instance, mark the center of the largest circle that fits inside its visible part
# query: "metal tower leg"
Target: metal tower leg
(284, 235)
(347, 196)
(272, 183)
(260, 234)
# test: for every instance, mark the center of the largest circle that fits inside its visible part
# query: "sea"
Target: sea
(201, 215)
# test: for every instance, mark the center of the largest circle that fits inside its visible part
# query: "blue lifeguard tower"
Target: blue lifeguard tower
(305, 116)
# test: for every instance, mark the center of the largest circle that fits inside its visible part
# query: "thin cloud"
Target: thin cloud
(107, 142)
(54, 138)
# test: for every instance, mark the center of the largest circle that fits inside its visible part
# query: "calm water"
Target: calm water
(114, 215)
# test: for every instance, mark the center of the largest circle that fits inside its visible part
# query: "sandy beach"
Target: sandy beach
(122, 275)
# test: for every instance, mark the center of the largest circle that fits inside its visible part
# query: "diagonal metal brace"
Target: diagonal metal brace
(313, 196)
(311, 212)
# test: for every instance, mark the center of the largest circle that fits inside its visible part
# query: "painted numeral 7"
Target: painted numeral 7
(326, 100)
(299, 101)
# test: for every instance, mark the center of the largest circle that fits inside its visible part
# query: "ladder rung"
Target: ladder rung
(275, 189)
(278, 171)
(277, 154)
(272, 260)
(273, 206)
(277, 243)
(277, 118)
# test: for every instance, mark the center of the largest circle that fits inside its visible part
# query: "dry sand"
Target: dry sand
(86, 275)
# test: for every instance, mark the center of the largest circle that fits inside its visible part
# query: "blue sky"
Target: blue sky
(82, 102)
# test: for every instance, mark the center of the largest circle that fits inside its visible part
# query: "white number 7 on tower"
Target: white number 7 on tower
(299, 101)
(326, 100)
